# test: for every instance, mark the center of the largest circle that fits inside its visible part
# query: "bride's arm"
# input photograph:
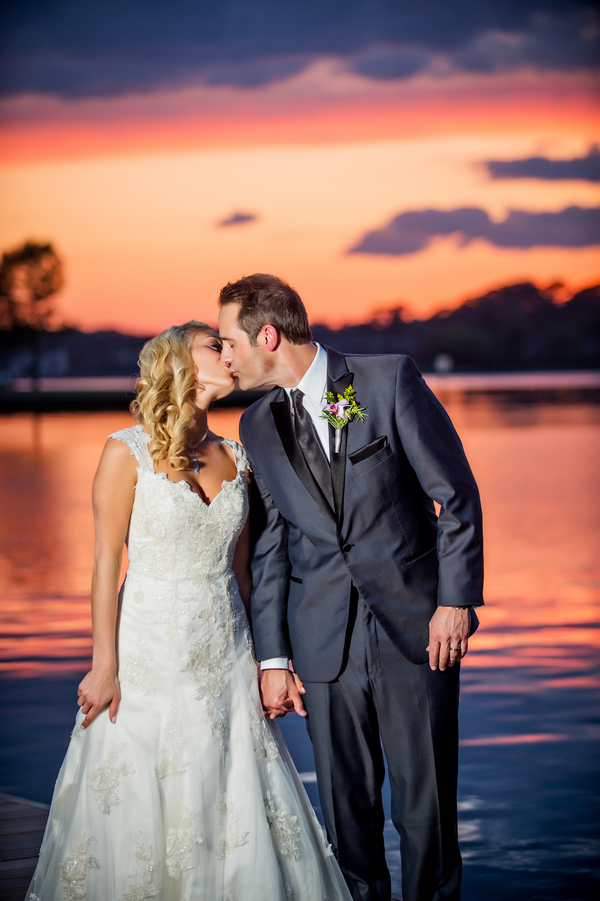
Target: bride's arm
(112, 498)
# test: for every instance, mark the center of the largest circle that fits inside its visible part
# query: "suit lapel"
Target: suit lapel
(283, 423)
(338, 379)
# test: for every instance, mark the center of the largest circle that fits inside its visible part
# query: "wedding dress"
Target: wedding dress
(191, 795)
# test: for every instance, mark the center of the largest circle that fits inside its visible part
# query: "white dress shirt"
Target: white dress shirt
(313, 385)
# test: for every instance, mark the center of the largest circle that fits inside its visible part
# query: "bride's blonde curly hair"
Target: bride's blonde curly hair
(166, 390)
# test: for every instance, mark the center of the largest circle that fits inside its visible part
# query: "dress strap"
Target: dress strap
(137, 440)
(239, 455)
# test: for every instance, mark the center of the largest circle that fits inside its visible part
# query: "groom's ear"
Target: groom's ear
(270, 337)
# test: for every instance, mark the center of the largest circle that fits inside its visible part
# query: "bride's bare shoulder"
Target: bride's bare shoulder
(117, 455)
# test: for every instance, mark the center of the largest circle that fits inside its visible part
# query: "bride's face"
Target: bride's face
(213, 376)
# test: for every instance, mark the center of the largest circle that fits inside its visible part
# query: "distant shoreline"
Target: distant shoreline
(94, 394)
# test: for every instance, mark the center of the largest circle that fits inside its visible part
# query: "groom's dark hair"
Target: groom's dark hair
(267, 300)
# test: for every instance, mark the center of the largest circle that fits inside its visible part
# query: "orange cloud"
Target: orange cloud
(319, 106)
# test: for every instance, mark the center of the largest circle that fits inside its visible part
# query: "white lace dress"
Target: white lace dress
(191, 795)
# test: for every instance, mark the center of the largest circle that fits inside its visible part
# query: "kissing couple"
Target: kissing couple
(313, 547)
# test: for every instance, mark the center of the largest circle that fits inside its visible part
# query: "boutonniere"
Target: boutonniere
(340, 412)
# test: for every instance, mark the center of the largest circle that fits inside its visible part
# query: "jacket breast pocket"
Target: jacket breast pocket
(370, 454)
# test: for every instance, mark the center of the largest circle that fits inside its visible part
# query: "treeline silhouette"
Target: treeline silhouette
(519, 327)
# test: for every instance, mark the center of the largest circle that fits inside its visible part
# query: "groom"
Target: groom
(358, 581)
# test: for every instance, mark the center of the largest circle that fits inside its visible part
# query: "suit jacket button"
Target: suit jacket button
(346, 548)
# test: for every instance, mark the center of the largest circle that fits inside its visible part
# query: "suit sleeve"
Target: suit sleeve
(436, 454)
(270, 568)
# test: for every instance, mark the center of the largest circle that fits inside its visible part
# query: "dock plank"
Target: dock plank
(22, 825)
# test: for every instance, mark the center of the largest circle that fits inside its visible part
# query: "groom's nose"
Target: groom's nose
(226, 355)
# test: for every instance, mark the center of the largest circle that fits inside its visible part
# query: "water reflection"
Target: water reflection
(529, 773)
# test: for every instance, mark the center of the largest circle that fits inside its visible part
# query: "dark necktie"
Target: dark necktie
(310, 445)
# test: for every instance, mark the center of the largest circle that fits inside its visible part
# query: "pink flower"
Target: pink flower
(338, 409)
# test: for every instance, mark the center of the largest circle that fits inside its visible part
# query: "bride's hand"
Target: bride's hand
(97, 690)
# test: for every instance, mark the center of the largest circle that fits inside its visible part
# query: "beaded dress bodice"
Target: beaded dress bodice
(186, 608)
(174, 534)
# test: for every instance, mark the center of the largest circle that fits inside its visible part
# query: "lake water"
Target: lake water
(529, 784)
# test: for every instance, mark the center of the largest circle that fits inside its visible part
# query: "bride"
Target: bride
(175, 786)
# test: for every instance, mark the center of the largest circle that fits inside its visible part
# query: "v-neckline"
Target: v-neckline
(165, 478)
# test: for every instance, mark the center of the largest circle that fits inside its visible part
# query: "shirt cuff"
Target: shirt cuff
(275, 663)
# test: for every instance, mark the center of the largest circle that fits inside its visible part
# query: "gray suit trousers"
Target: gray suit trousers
(381, 699)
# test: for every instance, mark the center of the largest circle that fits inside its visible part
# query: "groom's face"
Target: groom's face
(251, 365)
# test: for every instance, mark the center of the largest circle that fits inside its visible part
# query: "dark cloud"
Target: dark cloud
(413, 231)
(254, 73)
(549, 41)
(585, 168)
(386, 63)
(237, 219)
(77, 49)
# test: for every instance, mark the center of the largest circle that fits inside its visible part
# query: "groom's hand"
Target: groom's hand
(448, 636)
(279, 693)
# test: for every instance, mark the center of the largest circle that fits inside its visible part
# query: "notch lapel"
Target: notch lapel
(283, 423)
(338, 379)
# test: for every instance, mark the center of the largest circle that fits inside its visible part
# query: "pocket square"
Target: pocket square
(368, 450)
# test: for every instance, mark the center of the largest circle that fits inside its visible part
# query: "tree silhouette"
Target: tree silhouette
(30, 277)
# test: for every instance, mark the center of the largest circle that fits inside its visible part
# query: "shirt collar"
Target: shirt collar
(313, 383)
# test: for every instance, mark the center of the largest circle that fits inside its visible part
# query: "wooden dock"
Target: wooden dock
(22, 825)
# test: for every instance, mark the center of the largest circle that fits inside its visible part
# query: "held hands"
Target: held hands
(96, 691)
(448, 636)
(280, 691)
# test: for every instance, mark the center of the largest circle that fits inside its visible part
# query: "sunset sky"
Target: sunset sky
(371, 153)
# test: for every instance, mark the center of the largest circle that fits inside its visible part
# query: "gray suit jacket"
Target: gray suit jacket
(381, 533)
